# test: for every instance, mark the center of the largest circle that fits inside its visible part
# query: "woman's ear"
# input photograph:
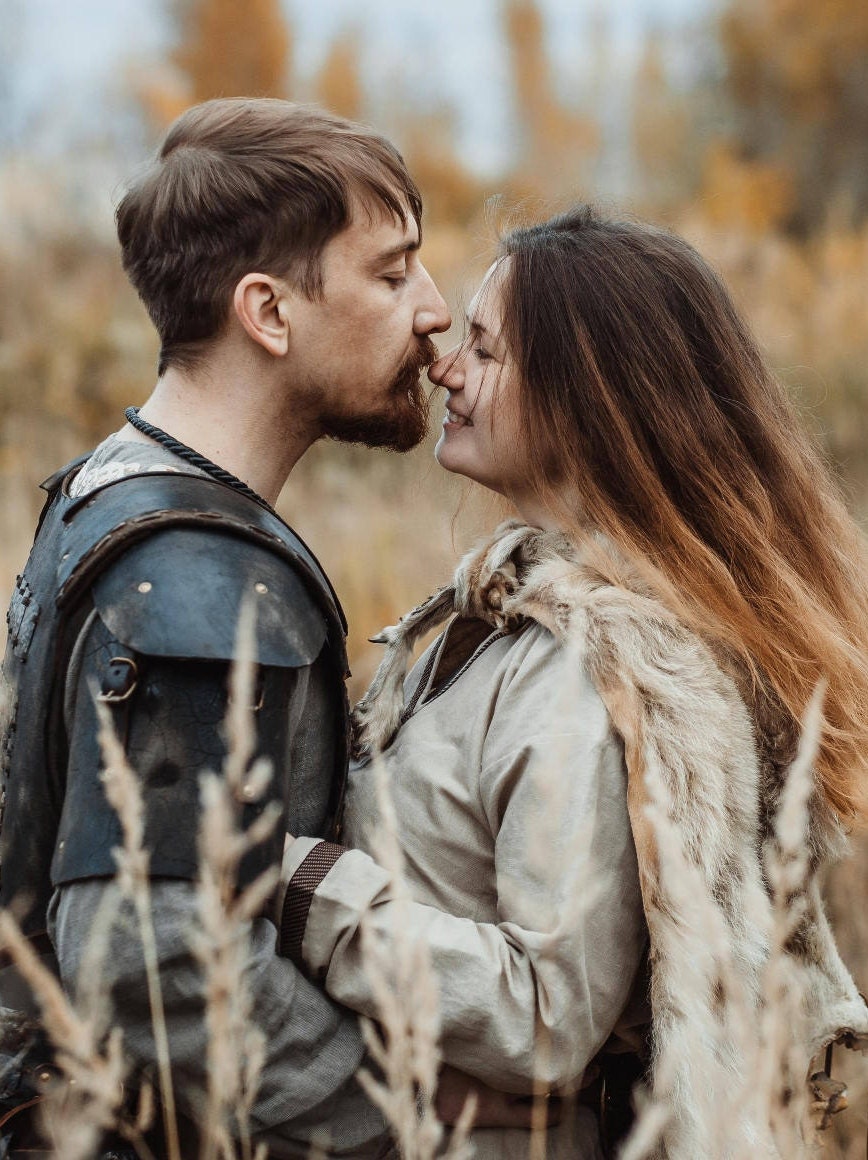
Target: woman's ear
(261, 304)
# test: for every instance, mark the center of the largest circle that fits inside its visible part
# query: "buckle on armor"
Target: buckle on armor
(119, 681)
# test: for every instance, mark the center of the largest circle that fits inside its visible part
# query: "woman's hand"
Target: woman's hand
(494, 1109)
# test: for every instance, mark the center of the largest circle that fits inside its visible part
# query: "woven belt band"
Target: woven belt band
(299, 895)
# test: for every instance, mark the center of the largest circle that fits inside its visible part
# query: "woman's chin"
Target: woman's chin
(443, 455)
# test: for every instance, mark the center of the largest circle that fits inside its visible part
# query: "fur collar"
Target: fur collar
(729, 845)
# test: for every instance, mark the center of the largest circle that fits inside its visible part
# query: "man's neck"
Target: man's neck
(246, 431)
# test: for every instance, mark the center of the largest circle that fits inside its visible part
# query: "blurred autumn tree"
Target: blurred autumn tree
(229, 49)
(663, 140)
(555, 143)
(797, 80)
(222, 49)
(338, 84)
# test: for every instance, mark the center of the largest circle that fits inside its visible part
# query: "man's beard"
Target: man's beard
(402, 423)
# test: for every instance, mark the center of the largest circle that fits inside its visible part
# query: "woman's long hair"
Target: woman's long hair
(644, 392)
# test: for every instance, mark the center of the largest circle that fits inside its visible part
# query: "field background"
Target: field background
(745, 127)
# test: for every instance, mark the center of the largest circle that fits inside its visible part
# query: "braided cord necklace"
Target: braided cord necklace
(195, 458)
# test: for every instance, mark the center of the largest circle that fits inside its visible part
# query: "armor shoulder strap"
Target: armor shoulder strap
(179, 593)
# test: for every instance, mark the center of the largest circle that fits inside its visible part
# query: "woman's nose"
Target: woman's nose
(446, 371)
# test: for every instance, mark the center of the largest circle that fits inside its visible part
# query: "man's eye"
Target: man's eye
(396, 279)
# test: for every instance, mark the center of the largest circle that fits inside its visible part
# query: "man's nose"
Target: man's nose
(432, 315)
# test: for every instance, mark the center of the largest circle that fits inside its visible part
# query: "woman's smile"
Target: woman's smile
(454, 420)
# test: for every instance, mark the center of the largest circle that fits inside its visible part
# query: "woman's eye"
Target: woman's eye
(481, 354)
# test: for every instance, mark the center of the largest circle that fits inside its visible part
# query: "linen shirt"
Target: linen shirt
(510, 791)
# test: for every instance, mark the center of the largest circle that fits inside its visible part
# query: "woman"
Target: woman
(625, 676)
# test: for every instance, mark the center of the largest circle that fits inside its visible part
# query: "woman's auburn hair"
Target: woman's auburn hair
(643, 391)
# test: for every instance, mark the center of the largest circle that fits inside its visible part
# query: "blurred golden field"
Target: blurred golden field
(761, 162)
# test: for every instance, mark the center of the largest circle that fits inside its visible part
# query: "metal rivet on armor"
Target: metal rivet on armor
(145, 586)
(260, 587)
(65, 556)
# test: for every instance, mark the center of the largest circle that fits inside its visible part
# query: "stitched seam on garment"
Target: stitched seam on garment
(498, 634)
(419, 692)
(299, 896)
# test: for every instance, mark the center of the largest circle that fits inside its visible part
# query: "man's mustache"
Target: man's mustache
(426, 354)
(411, 369)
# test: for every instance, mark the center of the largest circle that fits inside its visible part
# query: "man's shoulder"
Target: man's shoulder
(180, 592)
(117, 458)
(170, 558)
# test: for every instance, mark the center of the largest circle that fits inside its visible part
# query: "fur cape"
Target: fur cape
(747, 987)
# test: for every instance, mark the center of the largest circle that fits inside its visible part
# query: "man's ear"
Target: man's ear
(261, 305)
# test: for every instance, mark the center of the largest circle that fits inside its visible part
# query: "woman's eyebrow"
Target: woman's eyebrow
(475, 324)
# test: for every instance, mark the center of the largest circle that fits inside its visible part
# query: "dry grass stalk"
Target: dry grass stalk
(780, 1080)
(124, 794)
(87, 1099)
(758, 1103)
(236, 1047)
(404, 1044)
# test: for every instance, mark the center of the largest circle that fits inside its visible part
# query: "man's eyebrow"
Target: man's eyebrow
(397, 251)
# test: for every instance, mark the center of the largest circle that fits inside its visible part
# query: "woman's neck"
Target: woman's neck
(554, 512)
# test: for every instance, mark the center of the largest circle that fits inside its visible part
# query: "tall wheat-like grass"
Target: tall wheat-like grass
(87, 1097)
(758, 1104)
(236, 1047)
(124, 793)
(759, 1108)
(404, 1044)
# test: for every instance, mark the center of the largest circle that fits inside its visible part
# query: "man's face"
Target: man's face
(357, 353)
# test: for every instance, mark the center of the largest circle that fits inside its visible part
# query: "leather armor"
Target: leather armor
(132, 594)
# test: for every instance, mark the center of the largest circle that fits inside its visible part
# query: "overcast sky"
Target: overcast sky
(65, 60)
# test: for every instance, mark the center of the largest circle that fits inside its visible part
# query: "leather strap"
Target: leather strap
(299, 896)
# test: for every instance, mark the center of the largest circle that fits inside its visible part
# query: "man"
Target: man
(276, 249)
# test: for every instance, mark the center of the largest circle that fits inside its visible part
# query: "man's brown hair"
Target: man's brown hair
(247, 185)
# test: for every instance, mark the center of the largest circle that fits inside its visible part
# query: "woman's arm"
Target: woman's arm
(535, 994)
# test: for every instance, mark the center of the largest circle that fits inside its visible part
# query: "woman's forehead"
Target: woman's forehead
(485, 310)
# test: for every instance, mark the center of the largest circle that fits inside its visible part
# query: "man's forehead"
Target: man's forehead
(374, 230)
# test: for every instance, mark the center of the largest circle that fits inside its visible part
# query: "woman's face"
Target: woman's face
(481, 433)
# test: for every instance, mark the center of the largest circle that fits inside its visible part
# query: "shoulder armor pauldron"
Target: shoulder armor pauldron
(169, 559)
(179, 594)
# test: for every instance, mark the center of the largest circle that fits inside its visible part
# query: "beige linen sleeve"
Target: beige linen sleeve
(535, 994)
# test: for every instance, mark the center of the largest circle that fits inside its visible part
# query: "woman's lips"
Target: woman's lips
(453, 419)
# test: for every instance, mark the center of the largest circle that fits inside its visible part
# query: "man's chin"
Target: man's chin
(392, 432)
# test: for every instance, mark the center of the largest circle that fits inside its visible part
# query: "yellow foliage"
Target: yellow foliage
(556, 142)
(660, 125)
(162, 95)
(453, 196)
(752, 195)
(230, 49)
(797, 81)
(339, 83)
